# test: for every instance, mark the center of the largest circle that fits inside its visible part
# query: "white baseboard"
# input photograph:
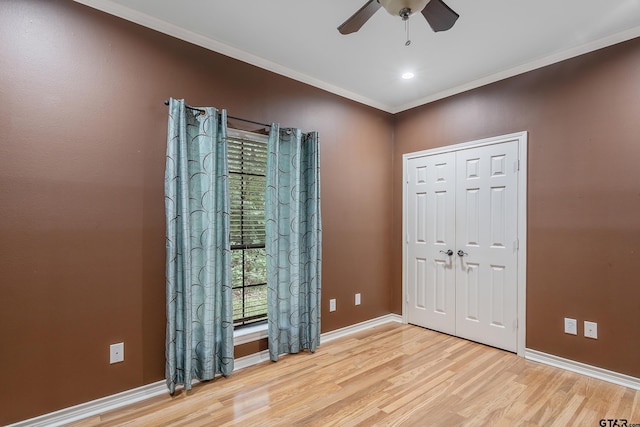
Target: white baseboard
(108, 403)
(95, 407)
(250, 360)
(362, 326)
(583, 368)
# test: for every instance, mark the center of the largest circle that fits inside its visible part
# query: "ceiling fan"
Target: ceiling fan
(439, 16)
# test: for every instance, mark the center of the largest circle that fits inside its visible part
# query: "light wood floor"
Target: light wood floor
(390, 375)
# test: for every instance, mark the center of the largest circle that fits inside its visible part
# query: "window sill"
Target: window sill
(250, 334)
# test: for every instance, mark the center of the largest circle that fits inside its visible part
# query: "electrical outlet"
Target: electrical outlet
(332, 304)
(116, 353)
(591, 330)
(570, 326)
(357, 299)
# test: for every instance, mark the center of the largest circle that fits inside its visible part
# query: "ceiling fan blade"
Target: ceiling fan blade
(439, 16)
(357, 20)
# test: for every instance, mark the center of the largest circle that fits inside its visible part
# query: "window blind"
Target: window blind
(247, 186)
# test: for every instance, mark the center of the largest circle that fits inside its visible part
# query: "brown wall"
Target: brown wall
(83, 131)
(83, 126)
(583, 119)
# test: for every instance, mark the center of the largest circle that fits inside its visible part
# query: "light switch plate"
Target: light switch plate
(357, 302)
(332, 304)
(591, 330)
(570, 326)
(116, 353)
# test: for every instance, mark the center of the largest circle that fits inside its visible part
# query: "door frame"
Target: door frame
(522, 140)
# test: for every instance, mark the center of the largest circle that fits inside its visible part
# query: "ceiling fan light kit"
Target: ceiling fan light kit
(395, 7)
(439, 16)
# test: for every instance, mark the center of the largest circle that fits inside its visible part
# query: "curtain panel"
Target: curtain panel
(199, 341)
(293, 241)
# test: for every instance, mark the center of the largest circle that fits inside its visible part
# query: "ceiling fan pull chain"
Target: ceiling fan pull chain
(406, 29)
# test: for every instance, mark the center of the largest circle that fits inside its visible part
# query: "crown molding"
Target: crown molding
(525, 68)
(216, 46)
(172, 30)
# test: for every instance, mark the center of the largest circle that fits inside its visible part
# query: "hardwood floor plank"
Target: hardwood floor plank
(569, 412)
(390, 375)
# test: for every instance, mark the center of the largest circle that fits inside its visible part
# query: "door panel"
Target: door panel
(464, 200)
(486, 230)
(431, 228)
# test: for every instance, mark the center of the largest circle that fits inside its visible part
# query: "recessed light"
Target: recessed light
(407, 75)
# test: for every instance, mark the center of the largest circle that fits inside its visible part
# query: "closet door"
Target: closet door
(486, 235)
(430, 235)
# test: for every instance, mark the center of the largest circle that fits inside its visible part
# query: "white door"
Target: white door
(486, 233)
(431, 234)
(465, 201)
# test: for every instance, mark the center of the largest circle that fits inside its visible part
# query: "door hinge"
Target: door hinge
(517, 165)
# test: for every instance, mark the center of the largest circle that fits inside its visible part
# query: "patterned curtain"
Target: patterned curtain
(199, 308)
(294, 241)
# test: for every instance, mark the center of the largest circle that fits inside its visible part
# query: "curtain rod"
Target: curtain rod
(228, 116)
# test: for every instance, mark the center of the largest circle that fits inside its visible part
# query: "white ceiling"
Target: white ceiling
(492, 40)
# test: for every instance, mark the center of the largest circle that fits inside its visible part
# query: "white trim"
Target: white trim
(108, 403)
(523, 162)
(405, 233)
(520, 136)
(359, 327)
(216, 46)
(250, 360)
(554, 58)
(583, 368)
(263, 356)
(522, 139)
(95, 407)
(325, 337)
(250, 334)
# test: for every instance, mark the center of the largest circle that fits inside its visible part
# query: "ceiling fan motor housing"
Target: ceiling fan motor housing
(398, 7)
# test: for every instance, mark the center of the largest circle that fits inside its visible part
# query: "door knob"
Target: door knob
(462, 253)
(447, 252)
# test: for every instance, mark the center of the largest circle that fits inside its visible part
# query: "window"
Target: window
(247, 186)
